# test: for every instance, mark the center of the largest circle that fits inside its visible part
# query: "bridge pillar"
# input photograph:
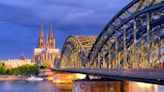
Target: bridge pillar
(109, 58)
(159, 50)
(124, 52)
(113, 59)
(152, 48)
(134, 35)
(143, 60)
(134, 43)
(116, 52)
(148, 36)
(97, 61)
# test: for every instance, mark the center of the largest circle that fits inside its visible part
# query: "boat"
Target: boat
(33, 78)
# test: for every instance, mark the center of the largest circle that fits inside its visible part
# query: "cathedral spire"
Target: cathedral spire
(41, 38)
(50, 42)
(50, 33)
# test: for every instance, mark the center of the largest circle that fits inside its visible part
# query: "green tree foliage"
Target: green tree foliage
(44, 65)
(2, 68)
(23, 70)
(1, 64)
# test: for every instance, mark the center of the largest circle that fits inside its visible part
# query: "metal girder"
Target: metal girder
(139, 12)
(132, 39)
(75, 51)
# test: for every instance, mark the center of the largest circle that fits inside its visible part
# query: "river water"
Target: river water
(79, 86)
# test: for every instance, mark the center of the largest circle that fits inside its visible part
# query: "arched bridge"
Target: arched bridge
(75, 51)
(133, 38)
(131, 43)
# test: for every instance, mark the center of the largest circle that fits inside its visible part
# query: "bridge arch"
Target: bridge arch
(131, 39)
(75, 51)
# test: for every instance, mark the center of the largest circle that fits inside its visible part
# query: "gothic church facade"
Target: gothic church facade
(45, 51)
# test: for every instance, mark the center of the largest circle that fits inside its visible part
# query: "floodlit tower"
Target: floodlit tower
(41, 38)
(50, 40)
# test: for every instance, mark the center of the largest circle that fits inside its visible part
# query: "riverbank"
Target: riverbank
(11, 77)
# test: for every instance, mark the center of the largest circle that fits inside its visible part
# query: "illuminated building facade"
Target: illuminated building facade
(45, 51)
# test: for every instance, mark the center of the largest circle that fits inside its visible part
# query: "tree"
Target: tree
(23, 70)
(1, 64)
(2, 68)
(44, 65)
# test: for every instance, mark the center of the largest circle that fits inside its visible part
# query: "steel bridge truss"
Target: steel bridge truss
(75, 51)
(134, 38)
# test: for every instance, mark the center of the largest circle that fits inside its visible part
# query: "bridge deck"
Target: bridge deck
(141, 75)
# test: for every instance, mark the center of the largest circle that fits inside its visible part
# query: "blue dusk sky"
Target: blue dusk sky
(20, 21)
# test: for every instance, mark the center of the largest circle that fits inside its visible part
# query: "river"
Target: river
(79, 86)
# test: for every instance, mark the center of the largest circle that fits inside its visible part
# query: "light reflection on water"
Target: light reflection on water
(64, 87)
(79, 86)
(24, 86)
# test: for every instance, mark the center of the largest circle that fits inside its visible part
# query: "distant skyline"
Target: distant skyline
(20, 21)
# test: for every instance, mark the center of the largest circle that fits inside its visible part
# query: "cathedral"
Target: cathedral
(45, 51)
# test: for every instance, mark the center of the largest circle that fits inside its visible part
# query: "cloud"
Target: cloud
(20, 21)
(63, 13)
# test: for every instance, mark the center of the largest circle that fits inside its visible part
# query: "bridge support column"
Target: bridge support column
(159, 50)
(72, 61)
(152, 48)
(116, 53)
(148, 36)
(125, 54)
(143, 60)
(108, 58)
(134, 43)
(104, 63)
(98, 65)
(77, 60)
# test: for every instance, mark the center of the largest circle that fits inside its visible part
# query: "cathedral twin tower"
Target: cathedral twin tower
(49, 41)
(45, 51)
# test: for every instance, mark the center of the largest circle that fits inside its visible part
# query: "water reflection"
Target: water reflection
(24, 86)
(64, 87)
(79, 86)
(114, 86)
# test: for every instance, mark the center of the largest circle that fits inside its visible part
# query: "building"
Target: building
(45, 51)
(13, 63)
